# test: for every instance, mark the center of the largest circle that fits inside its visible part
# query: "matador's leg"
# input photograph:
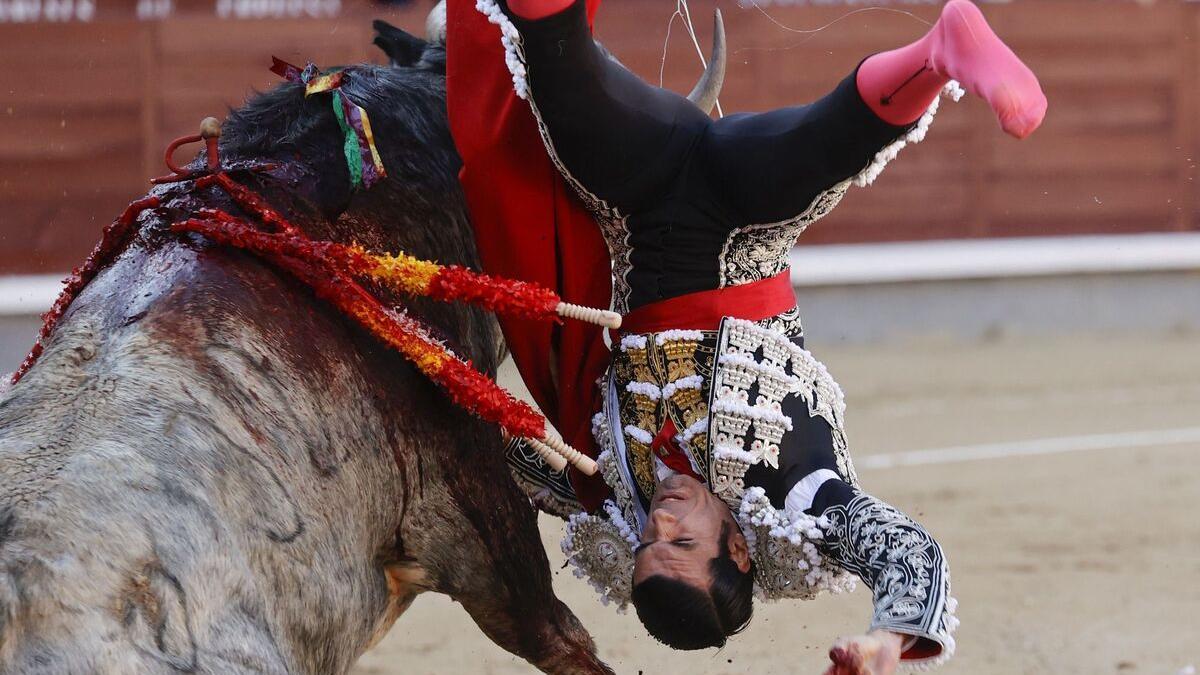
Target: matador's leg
(771, 166)
(622, 139)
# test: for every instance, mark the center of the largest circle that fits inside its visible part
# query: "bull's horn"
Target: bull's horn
(709, 87)
(435, 24)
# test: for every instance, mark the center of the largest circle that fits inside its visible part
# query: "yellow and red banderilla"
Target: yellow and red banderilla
(329, 267)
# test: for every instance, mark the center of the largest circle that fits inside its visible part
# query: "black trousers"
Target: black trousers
(684, 180)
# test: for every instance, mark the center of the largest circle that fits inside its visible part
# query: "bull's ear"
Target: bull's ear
(401, 48)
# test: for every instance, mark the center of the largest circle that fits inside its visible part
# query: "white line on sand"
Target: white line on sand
(1039, 446)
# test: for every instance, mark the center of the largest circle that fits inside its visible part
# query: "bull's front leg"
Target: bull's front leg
(475, 536)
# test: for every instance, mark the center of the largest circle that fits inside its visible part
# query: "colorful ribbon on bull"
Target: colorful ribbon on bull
(362, 157)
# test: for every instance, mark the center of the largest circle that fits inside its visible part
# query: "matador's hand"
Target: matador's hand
(876, 653)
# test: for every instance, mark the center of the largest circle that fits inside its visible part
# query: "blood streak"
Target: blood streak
(253, 203)
(112, 241)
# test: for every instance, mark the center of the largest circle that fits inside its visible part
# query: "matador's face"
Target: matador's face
(683, 533)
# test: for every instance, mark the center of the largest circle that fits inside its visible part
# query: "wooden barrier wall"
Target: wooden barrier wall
(87, 107)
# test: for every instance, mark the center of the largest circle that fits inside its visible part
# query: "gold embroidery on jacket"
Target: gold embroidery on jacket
(663, 376)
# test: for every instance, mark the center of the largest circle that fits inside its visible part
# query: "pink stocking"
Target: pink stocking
(899, 85)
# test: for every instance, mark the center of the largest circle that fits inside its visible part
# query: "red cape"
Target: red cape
(528, 226)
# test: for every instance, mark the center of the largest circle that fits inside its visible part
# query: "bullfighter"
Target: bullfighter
(724, 461)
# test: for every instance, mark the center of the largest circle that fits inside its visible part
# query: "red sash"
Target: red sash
(704, 310)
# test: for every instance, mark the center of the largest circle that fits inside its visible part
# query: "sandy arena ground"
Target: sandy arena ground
(1084, 561)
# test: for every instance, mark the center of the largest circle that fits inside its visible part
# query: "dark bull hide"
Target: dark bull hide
(210, 471)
